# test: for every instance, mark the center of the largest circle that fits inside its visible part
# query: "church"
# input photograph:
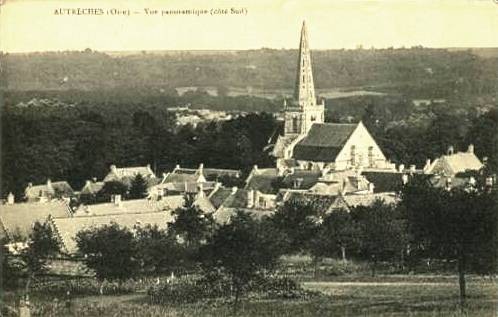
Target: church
(307, 142)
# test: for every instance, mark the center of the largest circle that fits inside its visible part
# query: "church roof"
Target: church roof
(323, 142)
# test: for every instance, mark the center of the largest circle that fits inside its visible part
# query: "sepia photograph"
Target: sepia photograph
(249, 158)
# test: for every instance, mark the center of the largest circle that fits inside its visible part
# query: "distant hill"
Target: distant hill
(420, 72)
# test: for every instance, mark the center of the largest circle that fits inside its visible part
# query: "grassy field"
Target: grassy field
(382, 296)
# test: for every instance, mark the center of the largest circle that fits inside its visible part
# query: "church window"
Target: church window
(294, 124)
(353, 155)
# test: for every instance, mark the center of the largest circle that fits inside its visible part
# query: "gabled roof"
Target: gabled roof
(218, 196)
(50, 188)
(223, 215)
(282, 144)
(166, 203)
(304, 178)
(455, 163)
(126, 174)
(321, 203)
(351, 201)
(323, 142)
(91, 188)
(67, 228)
(216, 173)
(20, 217)
(262, 179)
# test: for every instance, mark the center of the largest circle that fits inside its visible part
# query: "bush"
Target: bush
(215, 287)
(85, 287)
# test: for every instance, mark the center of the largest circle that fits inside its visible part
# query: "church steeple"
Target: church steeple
(303, 112)
(304, 92)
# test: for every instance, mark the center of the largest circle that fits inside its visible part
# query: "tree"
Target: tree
(138, 188)
(110, 250)
(243, 249)
(42, 245)
(298, 221)
(110, 189)
(336, 234)
(458, 225)
(158, 251)
(382, 232)
(191, 223)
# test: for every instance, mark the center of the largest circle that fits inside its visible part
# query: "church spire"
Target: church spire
(304, 92)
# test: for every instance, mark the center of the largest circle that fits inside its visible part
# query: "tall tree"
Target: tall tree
(382, 232)
(298, 221)
(138, 188)
(241, 249)
(191, 223)
(110, 251)
(458, 225)
(337, 236)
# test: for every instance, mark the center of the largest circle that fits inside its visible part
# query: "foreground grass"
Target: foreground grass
(390, 296)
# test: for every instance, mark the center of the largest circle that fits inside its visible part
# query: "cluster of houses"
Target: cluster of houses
(338, 166)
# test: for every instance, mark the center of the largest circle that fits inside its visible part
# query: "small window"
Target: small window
(353, 155)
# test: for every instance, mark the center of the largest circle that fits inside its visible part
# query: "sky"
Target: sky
(33, 25)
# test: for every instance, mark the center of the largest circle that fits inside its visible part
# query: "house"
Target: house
(128, 213)
(453, 163)
(17, 219)
(255, 203)
(451, 170)
(48, 191)
(190, 180)
(126, 175)
(119, 206)
(307, 142)
(347, 202)
(89, 191)
(66, 229)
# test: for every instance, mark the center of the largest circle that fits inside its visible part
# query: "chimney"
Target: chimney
(234, 190)
(49, 183)
(201, 167)
(94, 179)
(412, 168)
(177, 166)
(451, 150)
(87, 183)
(404, 179)
(470, 149)
(448, 183)
(250, 198)
(117, 200)
(255, 168)
(427, 164)
(200, 190)
(472, 181)
(371, 187)
(401, 168)
(30, 184)
(113, 168)
(10, 199)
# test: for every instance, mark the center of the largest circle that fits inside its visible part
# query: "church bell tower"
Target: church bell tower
(302, 112)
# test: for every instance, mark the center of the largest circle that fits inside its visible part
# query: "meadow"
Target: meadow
(389, 295)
